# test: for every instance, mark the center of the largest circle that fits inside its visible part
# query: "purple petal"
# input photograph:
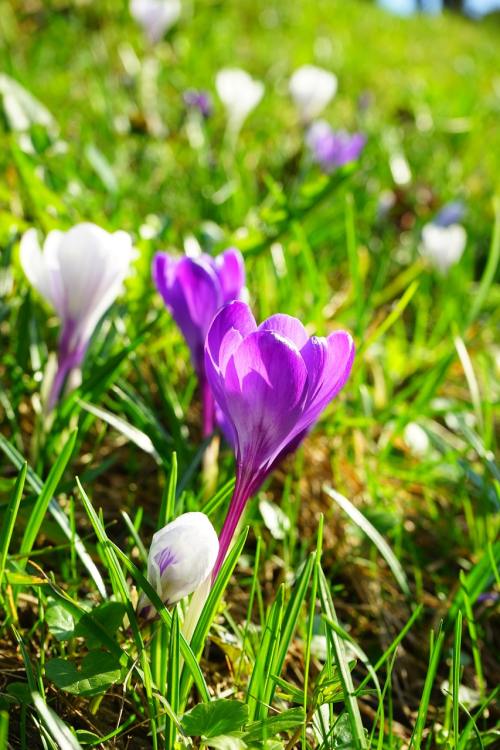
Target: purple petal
(288, 327)
(230, 269)
(234, 317)
(191, 291)
(328, 362)
(230, 325)
(165, 558)
(265, 386)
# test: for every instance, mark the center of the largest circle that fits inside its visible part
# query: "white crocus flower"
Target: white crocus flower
(181, 557)
(80, 273)
(443, 246)
(155, 16)
(312, 88)
(416, 439)
(239, 93)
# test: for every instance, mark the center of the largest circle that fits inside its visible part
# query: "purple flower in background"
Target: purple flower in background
(332, 149)
(272, 382)
(80, 273)
(194, 289)
(451, 213)
(199, 100)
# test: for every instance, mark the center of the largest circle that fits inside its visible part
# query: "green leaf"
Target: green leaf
(273, 725)
(109, 615)
(216, 718)
(99, 670)
(60, 622)
(226, 742)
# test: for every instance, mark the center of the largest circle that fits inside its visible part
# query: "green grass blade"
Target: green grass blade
(375, 536)
(55, 726)
(357, 730)
(10, 518)
(57, 513)
(434, 660)
(173, 677)
(457, 643)
(209, 611)
(40, 508)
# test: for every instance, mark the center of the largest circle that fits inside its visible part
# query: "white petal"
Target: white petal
(239, 93)
(443, 246)
(155, 16)
(190, 545)
(39, 267)
(312, 88)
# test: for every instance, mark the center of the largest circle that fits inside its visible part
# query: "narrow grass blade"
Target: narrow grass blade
(10, 518)
(434, 659)
(136, 436)
(393, 316)
(55, 726)
(40, 508)
(291, 618)
(37, 485)
(471, 625)
(490, 269)
(357, 729)
(173, 677)
(167, 508)
(372, 533)
(4, 730)
(476, 582)
(456, 677)
(261, 672)
(209, 611)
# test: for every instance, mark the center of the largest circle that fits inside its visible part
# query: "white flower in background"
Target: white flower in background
(443, 246)
(80, 273)
(239, 93)
(181, 557)
(312, 89)
(155, 16)
(416, 439)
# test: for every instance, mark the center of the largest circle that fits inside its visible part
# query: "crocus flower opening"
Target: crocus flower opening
(194, 289)
(272, 382)
(443, 246)
(182, 556)
(239, 93)
(332, 149)
(80, 273)
(312, 88)
(155, 16)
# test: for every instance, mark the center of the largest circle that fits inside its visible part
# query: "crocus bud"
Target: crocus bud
(272, 382)
(312, 89)
(194, 289)
(443, 246)
(239, 93)
(80, 273)
(332, 149)
(182, 556)
(155, 16)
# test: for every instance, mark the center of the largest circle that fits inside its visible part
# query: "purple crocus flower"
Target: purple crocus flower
(200, 101)
(194, 289)
(331, 149)
(272, 382)
(450, 213)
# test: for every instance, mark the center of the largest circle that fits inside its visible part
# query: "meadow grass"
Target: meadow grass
(359, 605)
